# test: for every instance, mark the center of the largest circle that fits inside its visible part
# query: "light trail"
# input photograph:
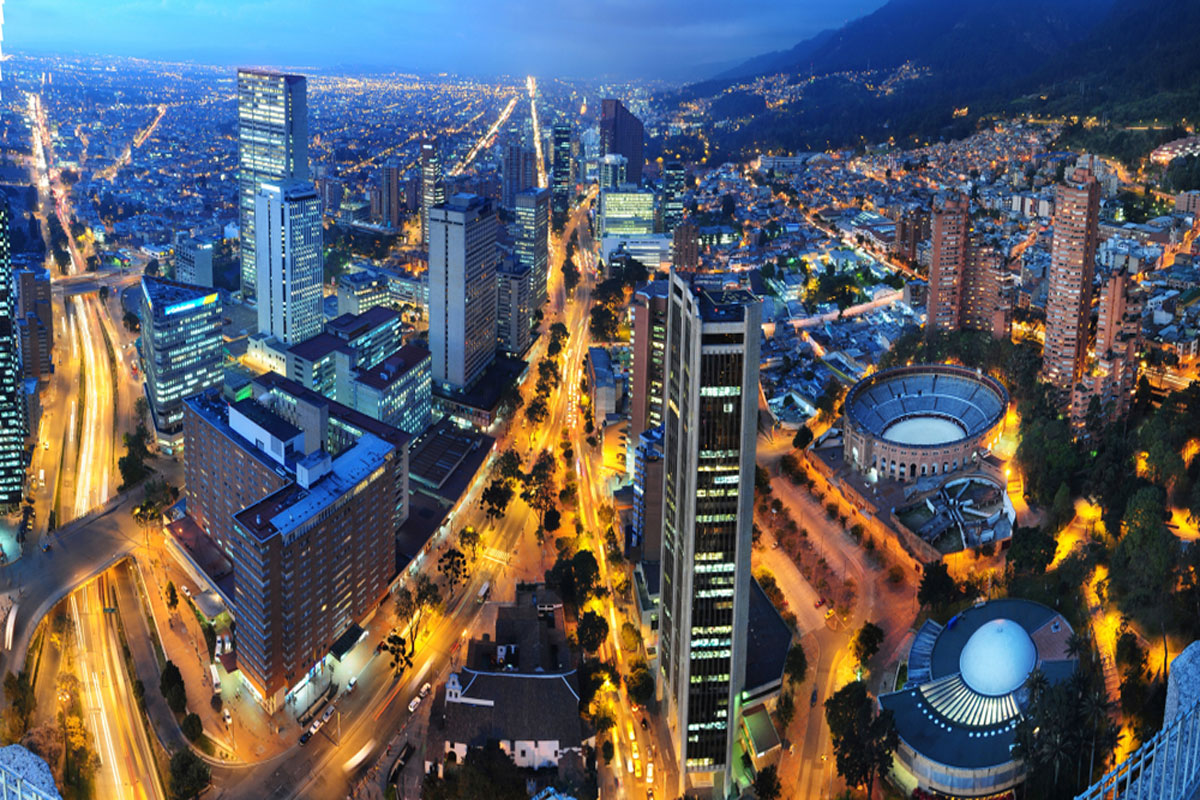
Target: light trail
(542, 182)
(486, 138)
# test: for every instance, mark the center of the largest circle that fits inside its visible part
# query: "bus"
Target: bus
(359, 757)
(484, 592)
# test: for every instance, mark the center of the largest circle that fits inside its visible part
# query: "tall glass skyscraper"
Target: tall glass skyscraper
(272, 147)
(533, 242)
(674, 179)
(710, 415)
(290, 261)
(13, 417)
(563, 178)
(433, 187)
(181, 350)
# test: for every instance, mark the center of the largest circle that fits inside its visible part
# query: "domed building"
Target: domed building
(966, 691)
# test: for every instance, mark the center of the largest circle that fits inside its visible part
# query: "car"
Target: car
(328, 713)
(220, 647)
(304, 737)
(45, 545)
(649, 772)
(650, 793)
(228, 716)
(412, 706)
(775, 545)
(812, 701)
(828, 613)
(645, 724)
(350, 684)
(820, 602)
(186, 591)
(425, 690)
(46, 445)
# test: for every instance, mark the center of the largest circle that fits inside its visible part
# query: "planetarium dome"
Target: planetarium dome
(997, 658)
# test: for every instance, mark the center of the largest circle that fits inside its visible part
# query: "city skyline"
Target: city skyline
(672, 41)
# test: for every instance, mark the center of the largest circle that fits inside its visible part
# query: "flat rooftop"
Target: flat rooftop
(394, 367)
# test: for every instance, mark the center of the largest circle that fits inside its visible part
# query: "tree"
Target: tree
(152, 267)
(413, 600)
(46, 741)
(1062, 509)
(487, 773)
(192, 727)
(803, 438)
(591, 631)
(937, 588)
(176, 697)
(172, 596)
(131, 321)
(453, 566)
(640, 684)
(1145, 558)
(189, 774)
(863, 742)
(796, 666)
(1032, 550)
(631, 637)
(766, 783)
(867, 642)
(401, 651)
(103, 292)
(22, 702)
(468, 539)
(607, 751)
(785, 709)
(537, 412)
(495, 498)
(551, 520)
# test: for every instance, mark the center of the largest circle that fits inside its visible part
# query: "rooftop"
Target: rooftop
(266, 419)
(394, 367)
(317, 347)
(169, 297)
(351, 326)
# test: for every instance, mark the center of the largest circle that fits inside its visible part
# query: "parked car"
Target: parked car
(186, 591)
(350, 684)
(812, 701)
(416, 701)
(304, 737)
(425, 690)
(328, 713)
(228, 716)
(820, 602)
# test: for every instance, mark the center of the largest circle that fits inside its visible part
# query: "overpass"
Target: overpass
(79, 551)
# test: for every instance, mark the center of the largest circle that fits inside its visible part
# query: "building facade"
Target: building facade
(650, 304)
(291, 261)
(1069, 287)
(621, 132)
(518, 168)
(272, 148)
(710, 421)
(13, 417)
(194, 262)
(35, 323)
(181, 349)
(462, 289)
(674, 181)
(563, 172)
(433, 187)
(398, 390)
(626, 213)
(1112, 372)
(514, 308)
(533, 240)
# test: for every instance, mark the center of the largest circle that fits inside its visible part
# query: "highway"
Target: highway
(127, 770)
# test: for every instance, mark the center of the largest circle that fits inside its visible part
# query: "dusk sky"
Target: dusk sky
(671, 39)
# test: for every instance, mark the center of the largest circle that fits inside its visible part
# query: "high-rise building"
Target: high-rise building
(674, 178)
(966, 275)
(35, 323)
(272, 148)
(951, 220)
(562, 165)
(181, 350)
(648, 464)
(514, 307)
(685, 246)
(392, 193)
(1112, 376)
(398, 390)
(462, 290)
(433, 187)
(626, 212)
(194, 262)
(13, 417)
(622, 132)
(533, 240)
(710, 422)
(518, 167)
(613, 171)
(290, 261)
(913, 226)
(306, 495)
(649, 344)
(1069, 288)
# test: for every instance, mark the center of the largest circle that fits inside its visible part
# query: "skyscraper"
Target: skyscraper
(393, 195)
(951, 218)
(290, 261)
(514, 307)
(965, 275)
(462, 289)
(1113, 371)
(181, 350)
(650, 304)
(563, 172)
(13, 418)
(35, 323)
(533, 240)
(685, 246)
(272, 148)
(674, 187)
(710, 420)
(518, 167)
(433, 189)
(614, 170)
(622, 132)
(1069, 290)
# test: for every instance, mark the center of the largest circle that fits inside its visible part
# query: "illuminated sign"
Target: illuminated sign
(188, 305)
